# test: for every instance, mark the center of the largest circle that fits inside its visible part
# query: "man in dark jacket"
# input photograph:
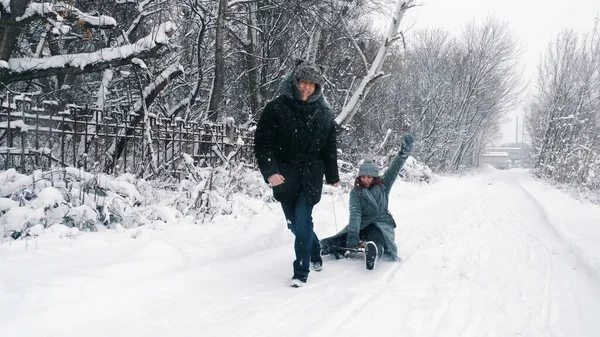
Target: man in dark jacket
(295, 145)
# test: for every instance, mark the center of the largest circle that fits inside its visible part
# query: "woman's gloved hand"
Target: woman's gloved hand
(407, 143)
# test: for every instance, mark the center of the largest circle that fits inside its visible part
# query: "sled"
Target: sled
(341, 252)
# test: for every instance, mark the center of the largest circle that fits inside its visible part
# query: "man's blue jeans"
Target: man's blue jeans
(298, 214)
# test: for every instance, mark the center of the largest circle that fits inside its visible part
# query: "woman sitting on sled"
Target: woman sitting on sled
(371, 226)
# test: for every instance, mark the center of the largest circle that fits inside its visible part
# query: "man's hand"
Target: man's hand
(276, 179)
(336, 184)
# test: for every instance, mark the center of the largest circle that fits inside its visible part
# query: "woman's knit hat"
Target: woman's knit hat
(368, 168)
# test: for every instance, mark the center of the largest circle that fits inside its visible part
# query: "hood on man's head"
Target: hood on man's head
(308, 71)
(289, 83)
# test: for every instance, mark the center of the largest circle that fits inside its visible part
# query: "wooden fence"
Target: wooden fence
(39, 135)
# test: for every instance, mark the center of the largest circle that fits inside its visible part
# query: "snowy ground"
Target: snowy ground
(497, 254)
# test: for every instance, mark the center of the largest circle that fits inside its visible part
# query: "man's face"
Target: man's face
(306, 89)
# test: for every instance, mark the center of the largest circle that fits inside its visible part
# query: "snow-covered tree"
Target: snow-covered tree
(563, 119)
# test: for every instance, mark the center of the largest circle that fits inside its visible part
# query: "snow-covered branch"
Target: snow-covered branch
(149, 94)
(60, 12)
(159, 83)
(360, 53)
(20, 69)
(83, 19)
(5, 6)
(238, 2)
(122, 2)
(350, 109)
(37, 10)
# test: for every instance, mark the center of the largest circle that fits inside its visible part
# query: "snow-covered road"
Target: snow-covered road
(496, 254)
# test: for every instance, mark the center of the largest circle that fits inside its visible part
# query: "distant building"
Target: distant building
(499, 160)
(503, 157)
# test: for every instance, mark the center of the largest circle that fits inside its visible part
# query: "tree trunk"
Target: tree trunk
(253, 65)
(9, 28)
(149, 94)
(216, 95)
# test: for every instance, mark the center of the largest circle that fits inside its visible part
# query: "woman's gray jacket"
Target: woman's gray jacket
(370, 206)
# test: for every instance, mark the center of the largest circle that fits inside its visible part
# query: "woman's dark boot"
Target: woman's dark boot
(371, 255)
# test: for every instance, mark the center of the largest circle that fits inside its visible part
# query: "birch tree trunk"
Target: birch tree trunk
(313, 44)
(351, 108)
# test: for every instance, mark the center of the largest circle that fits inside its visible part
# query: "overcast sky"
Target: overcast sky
(534, 22)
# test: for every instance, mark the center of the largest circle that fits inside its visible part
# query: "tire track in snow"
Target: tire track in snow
(347, 309)
(553, 231)
(535, 240)
(363, 302)
(546, 305)
(286, 313)
(473, 324)
(478, 211)
(580, 260)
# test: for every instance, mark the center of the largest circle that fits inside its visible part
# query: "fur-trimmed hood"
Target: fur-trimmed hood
(289, 87)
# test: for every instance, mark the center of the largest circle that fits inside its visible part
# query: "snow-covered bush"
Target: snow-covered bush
(413, 171)
(68, 197)
(209, 192)
(75, 199)
(416, 171)
(68, 201)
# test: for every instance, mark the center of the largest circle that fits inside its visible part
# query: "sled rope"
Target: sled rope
(343, 202)
(334, 216)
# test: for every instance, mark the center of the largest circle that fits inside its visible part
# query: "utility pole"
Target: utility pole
(517, 132)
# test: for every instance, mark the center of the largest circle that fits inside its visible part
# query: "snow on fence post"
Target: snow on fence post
(8, 133)
(97, 119)
(74, 137)
(180, 131)
(187, 128)
(50, 130)
(23, 132)
(124, 120)
(172, 127)
(62, 140)
(155, 126)
(85, 138)
(195, 144)
(37, 139)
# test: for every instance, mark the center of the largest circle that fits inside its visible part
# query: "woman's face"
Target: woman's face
(306, 89)
(366, 180)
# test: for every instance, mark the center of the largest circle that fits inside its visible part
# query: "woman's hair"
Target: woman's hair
(376, 181)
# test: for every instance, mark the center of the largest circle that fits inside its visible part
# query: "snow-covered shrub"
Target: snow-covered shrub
(413, 170)
(208, 192)
(83, 217)
(68, 197)
(19, 218)
(416, 171)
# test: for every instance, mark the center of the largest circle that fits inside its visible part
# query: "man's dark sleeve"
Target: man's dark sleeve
(330, 156)
(264, 144)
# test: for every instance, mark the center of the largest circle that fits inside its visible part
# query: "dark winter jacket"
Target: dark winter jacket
(297, 140)
(370, 206)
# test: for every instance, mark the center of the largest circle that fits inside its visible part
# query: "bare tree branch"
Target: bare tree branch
(360, 53)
